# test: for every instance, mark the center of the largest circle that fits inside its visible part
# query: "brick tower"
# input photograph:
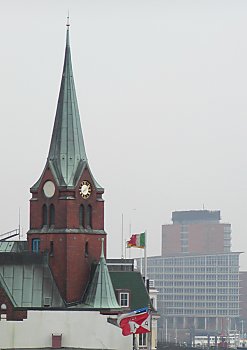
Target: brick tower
(66, 208)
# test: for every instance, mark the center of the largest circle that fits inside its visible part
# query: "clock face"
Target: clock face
(85, 189)
(49, 189)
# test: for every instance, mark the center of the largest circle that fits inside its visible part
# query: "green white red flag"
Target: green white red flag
(137, 241)
(135, 322)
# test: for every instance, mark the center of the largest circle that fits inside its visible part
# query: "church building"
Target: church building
(56, 289)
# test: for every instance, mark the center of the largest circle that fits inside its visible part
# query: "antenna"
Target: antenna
(122, 257)
(19, 226)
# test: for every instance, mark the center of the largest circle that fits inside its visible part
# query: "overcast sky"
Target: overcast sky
(162, 92)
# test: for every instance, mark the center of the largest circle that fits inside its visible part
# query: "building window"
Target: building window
(86, 249)
(44, 214)
(89, 216)
(52, 215)
(124, 299)
(36, 245)
(143, 339)
(51, 248)
(82, 216)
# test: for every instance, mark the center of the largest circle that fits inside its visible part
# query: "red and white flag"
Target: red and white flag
(136, 322)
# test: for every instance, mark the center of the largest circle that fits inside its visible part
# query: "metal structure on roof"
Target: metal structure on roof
(67, 156)
(6, 247)
(101, 294)
(194, 216)
(10, 234)
(13, 246)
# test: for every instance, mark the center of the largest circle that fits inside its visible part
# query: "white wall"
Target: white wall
(79, 329)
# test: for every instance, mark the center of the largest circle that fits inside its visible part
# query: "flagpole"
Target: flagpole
(145, 258)
(122, 236)
(136, 347)
(151, 329)
(141, 267)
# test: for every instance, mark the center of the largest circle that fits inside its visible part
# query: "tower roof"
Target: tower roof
(67, 150)
(195, 216)
(101, 293)
(67, 155)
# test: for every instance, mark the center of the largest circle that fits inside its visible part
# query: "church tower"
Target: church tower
(66, 208)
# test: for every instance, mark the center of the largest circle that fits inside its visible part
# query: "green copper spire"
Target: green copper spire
(101, 293)
(67, 156)
(67, 150)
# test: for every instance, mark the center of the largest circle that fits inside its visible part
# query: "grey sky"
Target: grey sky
(162, 92)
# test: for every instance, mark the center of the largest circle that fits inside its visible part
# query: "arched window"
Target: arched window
(44, 215)
(89, 216)
(82, 216)
(86, 249)
(3, 307)
(52, 215)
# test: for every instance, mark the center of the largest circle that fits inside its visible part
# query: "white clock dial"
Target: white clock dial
(49, 189)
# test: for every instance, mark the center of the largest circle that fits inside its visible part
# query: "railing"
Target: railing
(10, 234)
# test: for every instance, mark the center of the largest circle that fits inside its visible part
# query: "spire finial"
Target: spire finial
(68, 24)
(67, 33)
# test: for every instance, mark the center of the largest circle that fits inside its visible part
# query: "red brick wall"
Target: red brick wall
(79, 265)
(69, 263)
(12, 314)
(67, 210)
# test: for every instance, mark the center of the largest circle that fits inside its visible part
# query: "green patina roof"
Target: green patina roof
(67, 148)
(132, 281)
(101, 294)
(67, 156)
(27, 280)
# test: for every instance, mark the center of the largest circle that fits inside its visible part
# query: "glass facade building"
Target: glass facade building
(196, 292)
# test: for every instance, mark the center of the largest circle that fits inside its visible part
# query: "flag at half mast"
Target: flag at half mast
(137, 241)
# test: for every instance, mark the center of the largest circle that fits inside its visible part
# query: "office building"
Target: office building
(196, 231)
(197, 277)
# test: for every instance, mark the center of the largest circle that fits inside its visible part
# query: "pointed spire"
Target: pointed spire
(101, 293)
(67, 156)
(67, 151)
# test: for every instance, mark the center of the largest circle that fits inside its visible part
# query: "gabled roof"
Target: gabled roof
(27, 280)
(101, 294)
(132, 281)
(67, 156)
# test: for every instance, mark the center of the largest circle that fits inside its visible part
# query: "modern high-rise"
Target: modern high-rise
(197, 293)
(196, 231)
(197, 277)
